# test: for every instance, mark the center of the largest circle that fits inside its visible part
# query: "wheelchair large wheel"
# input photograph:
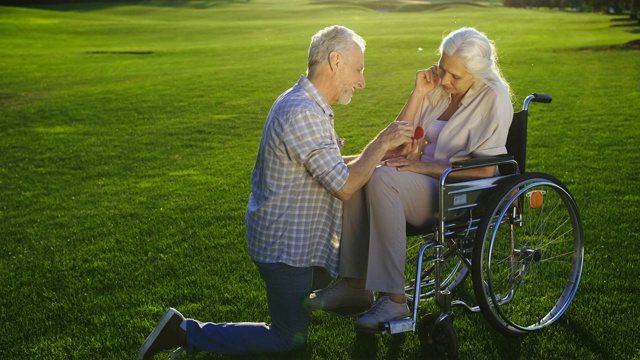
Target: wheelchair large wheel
(528, 254)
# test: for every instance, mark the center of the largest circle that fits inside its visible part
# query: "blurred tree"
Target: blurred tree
(606, 6)
(633, 10)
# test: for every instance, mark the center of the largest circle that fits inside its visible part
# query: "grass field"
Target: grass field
(128, 134)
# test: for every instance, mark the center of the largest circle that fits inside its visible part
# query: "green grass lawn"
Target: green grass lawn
(128, 134)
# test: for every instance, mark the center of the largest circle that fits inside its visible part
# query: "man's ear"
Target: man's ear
(335, 60)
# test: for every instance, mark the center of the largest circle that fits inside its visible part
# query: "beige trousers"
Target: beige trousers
(373, 245)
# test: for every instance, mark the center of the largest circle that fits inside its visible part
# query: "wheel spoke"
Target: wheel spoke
(527, 266)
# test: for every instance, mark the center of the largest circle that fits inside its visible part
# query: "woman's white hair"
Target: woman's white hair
(333, 38)
(479, 56)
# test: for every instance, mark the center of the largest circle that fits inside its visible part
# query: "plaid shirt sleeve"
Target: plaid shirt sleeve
(313, 144)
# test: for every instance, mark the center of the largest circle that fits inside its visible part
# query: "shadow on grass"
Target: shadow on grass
(632, 25)
(629, 46)
(587, 340)
(626, 21)
(510, 347)
(366, 345)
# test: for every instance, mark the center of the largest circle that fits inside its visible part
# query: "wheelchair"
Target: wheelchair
(518, 236)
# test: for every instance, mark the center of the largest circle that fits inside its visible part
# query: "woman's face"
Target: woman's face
(454, 77)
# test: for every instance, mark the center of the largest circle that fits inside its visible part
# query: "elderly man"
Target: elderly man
(294, 215)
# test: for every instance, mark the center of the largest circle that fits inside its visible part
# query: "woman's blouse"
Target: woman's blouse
(431, 137)
(479, 128)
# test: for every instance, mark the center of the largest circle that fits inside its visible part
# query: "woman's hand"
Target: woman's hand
(416, 166)
(426, 80)
(436, 170)
(404, 164)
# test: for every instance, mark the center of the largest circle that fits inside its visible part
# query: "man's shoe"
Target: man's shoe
(338, 295)
(167, 335)
(384, 310)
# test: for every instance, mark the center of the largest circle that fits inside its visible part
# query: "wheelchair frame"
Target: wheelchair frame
(518, 235)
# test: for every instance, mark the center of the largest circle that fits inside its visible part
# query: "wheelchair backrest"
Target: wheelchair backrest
(517, 142)
(517, 138)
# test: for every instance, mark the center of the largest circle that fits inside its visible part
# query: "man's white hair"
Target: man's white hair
(333, 38)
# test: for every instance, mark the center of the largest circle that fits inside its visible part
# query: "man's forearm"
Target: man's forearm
(349, 158)
(361, 168)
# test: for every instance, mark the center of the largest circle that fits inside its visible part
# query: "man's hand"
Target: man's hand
(407, 149)
(395, 135)
(403, 150)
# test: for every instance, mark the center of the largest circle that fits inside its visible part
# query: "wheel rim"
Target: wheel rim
(529, 282)
(440, 342)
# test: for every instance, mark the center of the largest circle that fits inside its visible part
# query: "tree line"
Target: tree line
(618, 7)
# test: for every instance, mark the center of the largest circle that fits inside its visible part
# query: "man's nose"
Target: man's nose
(362, 83)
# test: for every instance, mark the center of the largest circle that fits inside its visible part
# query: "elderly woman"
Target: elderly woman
(464, 105)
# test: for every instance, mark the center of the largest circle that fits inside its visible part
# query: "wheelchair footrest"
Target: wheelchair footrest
(400, 326)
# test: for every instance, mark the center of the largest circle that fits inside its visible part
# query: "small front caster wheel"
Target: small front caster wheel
(439, 342)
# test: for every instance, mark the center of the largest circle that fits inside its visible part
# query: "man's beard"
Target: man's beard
(345, 98)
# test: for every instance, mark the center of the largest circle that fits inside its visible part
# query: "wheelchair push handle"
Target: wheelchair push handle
(537, 98)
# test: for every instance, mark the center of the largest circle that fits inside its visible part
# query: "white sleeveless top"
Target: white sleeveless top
(431, 136)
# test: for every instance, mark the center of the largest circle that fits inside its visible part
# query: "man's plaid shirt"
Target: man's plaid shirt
(292, 216)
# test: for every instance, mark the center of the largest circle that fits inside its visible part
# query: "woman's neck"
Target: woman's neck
(456, 98)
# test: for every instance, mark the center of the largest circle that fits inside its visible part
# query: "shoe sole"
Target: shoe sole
(366, 330)
(154, 334)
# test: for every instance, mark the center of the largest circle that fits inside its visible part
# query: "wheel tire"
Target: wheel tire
(528, 254)
(443, 344)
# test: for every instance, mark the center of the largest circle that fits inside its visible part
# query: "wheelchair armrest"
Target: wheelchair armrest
(480, 162)
(499, 160)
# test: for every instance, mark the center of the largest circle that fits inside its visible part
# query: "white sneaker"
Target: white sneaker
(383, 310)
(337, 296)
